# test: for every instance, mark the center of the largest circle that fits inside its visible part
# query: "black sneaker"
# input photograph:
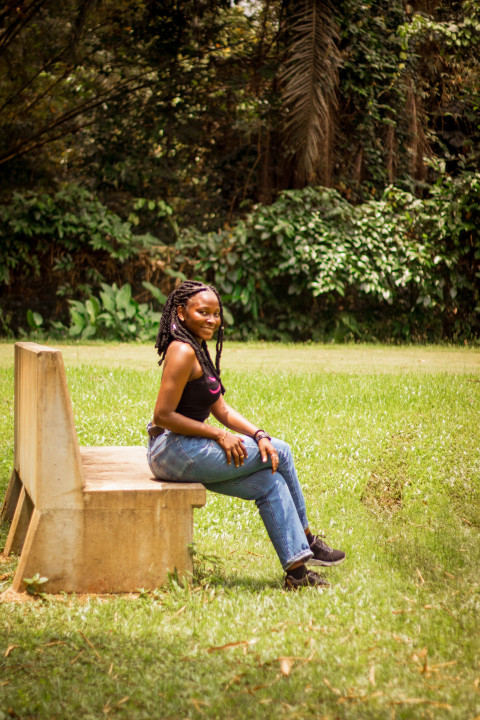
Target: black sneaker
(324, 555)
(309, 579)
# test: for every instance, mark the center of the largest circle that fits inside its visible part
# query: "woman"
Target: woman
(251, 465)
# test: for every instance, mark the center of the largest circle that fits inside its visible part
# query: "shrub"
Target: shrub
(310, 266)
(61, 224)
(59, 246)
(314, 266)
(113, 316)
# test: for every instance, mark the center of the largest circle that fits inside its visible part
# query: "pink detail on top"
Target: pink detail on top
(215, 390)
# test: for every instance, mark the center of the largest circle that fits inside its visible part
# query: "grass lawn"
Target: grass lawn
(387, 445)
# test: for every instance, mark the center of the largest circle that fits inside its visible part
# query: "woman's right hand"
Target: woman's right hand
(234, 447)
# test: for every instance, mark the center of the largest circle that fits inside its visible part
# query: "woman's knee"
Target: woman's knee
(258, 486)
(271, 488)
(283, 448)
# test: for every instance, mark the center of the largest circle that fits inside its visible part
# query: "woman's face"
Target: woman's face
(201, 315)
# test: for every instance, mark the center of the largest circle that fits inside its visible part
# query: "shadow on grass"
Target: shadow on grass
(163, 673)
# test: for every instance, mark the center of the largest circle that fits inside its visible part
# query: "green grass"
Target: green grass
(388, 452)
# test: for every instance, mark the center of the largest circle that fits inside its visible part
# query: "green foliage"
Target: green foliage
(34, 320)
(372, 95)
(5, 324)
(153, 211)
(186, 106)
(455, 210)
(313, 265)
(114, 316)
(153, 290)
(457, 36)
(37, 329)
(60, 225)
(178, 118)
(310, 266)
(60, 246)
(34, 584)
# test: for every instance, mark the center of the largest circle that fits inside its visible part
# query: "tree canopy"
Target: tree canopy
(204, 108)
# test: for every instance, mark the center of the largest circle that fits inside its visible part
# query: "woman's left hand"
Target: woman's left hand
(266, 449)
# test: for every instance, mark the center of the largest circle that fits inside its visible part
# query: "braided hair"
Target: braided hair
(171, 328)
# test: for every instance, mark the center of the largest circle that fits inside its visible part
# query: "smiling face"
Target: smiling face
(201, 315)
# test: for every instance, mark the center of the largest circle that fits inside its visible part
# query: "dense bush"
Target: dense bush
(114, 315)
(69, 221)
(314, 266)
(61, 246)
(455, 208)
(310, 266)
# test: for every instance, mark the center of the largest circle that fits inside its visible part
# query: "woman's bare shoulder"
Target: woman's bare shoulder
(179, 353)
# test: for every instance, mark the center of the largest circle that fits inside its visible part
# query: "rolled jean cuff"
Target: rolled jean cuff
(304, 555)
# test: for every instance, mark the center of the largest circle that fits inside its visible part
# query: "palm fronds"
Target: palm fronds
(309, 81)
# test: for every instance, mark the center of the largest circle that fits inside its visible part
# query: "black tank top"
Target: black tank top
(198, 397)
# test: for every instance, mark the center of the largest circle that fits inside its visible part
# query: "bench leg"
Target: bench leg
(20, 523)
(53, 547)
(11, 497)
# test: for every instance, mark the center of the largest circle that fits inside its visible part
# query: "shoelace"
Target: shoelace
(319, 542)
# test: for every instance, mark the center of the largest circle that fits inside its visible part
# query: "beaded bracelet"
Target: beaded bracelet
(260, 435)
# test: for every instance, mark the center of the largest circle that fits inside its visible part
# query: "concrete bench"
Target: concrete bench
(89, 519)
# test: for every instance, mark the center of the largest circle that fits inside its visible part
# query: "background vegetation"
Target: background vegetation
(387, 446)
(317, 160)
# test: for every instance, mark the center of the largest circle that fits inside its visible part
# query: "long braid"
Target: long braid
(172, 329)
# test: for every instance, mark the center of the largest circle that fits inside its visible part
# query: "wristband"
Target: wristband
(260, 435)
(223, 436)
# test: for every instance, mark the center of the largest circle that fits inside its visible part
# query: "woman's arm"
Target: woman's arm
(233, 420)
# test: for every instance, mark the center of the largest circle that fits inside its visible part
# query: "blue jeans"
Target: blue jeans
(278, 496)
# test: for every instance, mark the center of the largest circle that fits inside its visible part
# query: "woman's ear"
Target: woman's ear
(181, 313)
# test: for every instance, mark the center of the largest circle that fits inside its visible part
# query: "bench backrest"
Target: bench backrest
(47, 456)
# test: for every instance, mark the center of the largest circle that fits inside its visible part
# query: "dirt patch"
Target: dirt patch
(10, 596)
(384, 490)
(384, 493)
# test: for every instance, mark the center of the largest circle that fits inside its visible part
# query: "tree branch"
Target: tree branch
(19, 23)
(33, 140)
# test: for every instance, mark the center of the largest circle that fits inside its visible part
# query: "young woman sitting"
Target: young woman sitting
(240, 459)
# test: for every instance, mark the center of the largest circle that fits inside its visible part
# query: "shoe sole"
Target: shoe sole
(323, 563)
(288, 586)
